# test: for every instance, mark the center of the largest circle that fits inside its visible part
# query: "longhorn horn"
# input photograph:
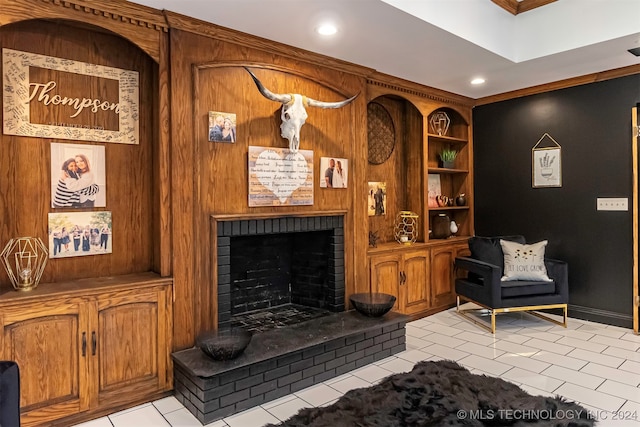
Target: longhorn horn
(282, 98)
(321, 104)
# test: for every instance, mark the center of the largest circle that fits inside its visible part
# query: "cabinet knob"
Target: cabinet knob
(84, 344)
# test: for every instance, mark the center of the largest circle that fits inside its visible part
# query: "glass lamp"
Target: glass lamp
(406, 227)
(24, 258)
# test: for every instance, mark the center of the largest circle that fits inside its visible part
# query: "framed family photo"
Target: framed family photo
(74, 234)
(78, 176)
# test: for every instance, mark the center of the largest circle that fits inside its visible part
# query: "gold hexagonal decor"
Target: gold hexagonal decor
(24, 258)
(439, 122)
(406, 227)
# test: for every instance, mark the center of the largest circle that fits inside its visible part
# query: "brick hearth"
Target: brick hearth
(281, 361)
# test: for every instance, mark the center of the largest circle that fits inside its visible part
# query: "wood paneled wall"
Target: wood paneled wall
(25, 186)
(208, 76)
(163, 191)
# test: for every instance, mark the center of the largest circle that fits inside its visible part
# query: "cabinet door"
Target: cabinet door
(415, 288)
(48, 340)
(132, 343)
(442, 285)
(385, 276)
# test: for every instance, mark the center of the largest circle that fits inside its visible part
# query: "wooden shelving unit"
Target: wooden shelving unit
(421, 275)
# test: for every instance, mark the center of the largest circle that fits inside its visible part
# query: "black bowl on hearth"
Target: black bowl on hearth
(224, 344)
(373, 304)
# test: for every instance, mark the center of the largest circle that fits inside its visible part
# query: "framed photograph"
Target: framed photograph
(433, 182)
(333, 172)
(74, 234)
(222, 127)
(377, 198)
(546, 168)
(78, 176)
(101, 105)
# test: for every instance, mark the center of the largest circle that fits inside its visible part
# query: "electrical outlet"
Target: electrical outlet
(612, 204)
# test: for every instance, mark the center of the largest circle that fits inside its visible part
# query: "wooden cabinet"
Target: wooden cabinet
(82, 346)
(405, 275)
(442, 273)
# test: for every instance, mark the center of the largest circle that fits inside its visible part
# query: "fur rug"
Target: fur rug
(442, 394)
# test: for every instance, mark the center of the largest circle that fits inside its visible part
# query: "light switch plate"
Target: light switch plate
(612, 204)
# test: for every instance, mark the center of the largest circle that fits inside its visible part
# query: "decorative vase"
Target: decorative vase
(453, 227)
(461, 200)
(442, 201)
(441, 226)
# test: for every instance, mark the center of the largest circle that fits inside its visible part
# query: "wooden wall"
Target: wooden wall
(213, 177)
(163, 191)
(25, 167)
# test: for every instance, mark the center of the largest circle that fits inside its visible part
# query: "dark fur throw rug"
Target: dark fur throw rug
(442, 394)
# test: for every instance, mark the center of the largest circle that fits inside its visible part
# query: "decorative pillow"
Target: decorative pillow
(524, 262)
(487, 249)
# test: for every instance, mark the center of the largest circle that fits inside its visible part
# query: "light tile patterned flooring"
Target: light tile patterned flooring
(593, 364)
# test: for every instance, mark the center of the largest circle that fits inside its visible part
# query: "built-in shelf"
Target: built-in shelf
(448, 208)
(447, 170)
(395, 246)
(448, 138)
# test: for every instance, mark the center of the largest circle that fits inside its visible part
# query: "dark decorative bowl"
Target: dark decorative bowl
(224, 344)
(373, 304)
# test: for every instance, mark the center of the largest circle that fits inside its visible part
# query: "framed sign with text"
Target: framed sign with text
(48, 97)
(279, 177)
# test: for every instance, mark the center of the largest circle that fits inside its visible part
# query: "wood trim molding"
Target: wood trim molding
(561, 84)
(207, 29)
(142, 25)
(416, 89)
(515, 7)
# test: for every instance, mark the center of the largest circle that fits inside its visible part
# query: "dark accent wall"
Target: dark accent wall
(592, 123)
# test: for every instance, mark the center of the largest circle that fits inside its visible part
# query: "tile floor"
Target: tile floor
(593, 364)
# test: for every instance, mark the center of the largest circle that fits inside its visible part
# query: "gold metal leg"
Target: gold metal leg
(493, 311)
(493, 322)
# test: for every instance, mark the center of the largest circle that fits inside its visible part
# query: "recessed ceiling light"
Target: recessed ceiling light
(327, 29)
(477, 81)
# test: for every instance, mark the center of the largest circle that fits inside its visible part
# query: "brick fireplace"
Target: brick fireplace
(265, 264)
(265, 267)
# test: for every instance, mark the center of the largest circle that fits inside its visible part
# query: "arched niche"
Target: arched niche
(395, 155)
(133, 172)
(143, 26)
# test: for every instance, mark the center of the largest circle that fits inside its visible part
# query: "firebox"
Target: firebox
(273, 272)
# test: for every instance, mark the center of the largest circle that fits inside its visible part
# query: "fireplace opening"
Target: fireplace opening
(279, 271)
(278, 279)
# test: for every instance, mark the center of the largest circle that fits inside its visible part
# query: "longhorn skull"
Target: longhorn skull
(293, 111)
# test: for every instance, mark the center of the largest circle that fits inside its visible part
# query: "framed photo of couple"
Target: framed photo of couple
(78, 176)
(334, 172)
